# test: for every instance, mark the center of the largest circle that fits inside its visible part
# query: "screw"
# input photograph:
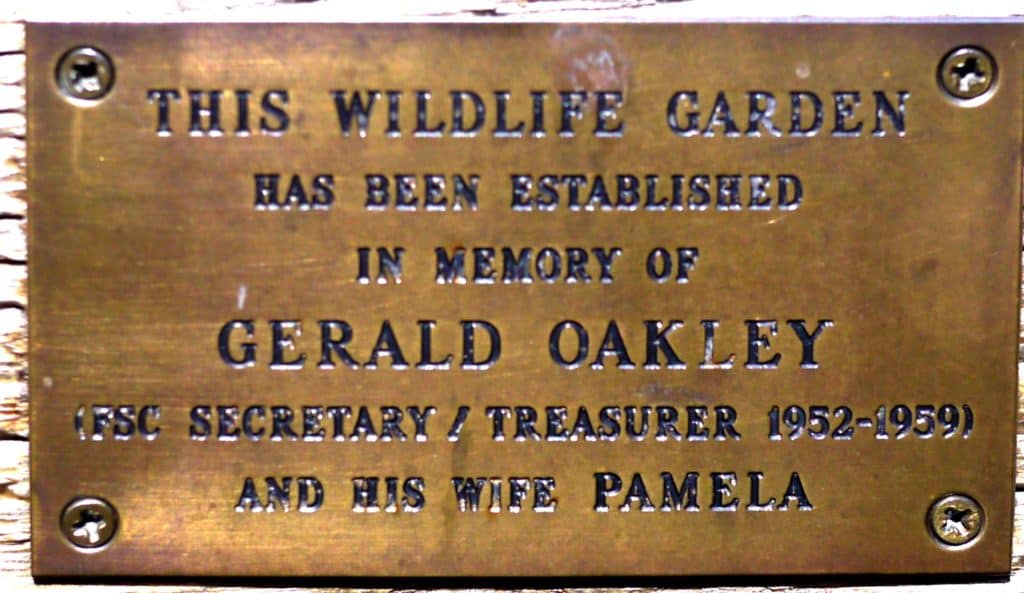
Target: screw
(85, 73)
(956, 520)
(89, 523)
(968, 74)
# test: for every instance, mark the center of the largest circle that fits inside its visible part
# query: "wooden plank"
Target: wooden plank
(13, 329)
(14, 486)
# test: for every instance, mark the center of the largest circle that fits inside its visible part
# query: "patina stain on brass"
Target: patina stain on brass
(523, 299)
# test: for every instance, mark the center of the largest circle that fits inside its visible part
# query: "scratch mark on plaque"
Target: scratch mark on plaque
(590, 60)
(242, 292)
(773, 220)
(658, 390)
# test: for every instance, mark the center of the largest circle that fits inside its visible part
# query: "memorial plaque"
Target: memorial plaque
(523, 299)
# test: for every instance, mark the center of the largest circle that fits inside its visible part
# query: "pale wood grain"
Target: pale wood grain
(14, 427)
(13, 326)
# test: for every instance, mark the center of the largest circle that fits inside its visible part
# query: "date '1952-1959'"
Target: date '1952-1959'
(840, 423)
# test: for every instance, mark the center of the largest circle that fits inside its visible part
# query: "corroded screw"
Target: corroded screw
(968, 74)
(85, 73)
(956, 520)
(89, 523)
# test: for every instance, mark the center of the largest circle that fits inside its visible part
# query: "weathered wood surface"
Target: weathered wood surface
(14, 426)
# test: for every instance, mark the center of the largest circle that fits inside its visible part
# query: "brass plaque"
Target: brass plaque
(523, 299)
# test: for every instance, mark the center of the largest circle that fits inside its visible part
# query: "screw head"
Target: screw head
(956, 520)
(85, 73)
(88, 523)
(968, 74)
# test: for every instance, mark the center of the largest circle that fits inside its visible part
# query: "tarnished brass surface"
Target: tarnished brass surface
(147, 242)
